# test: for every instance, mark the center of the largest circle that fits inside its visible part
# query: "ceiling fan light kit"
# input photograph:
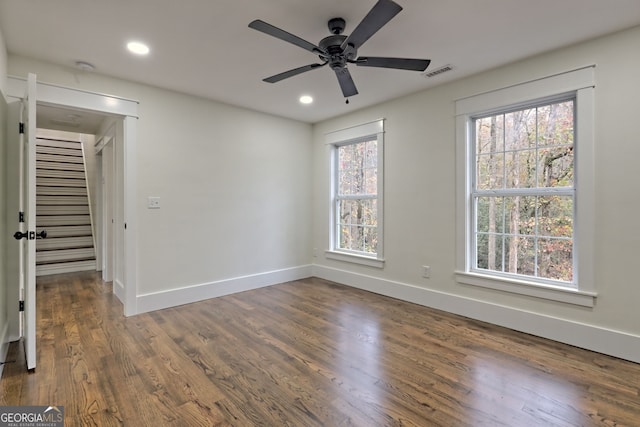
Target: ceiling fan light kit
(338, 50)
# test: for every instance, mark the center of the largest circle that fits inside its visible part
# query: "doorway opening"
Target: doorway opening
(76, 202)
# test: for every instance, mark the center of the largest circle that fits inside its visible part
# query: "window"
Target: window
(356, 195)
(522, 194)
(525, 189)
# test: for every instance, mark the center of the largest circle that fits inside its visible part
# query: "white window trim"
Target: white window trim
(580, 82)
(341, 137)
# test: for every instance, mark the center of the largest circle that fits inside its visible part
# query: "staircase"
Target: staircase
(62, 209)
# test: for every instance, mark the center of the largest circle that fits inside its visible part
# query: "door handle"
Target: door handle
(18, 235)
(31, 235)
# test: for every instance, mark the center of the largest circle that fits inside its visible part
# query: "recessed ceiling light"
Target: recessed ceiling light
(138, 48)
(306, 99)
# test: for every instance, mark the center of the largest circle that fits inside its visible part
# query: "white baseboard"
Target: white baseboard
(175, 297)
(4, 345)
(118, 290)
(607, 341)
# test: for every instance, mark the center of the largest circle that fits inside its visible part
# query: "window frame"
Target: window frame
(577, 84)
(353, 135)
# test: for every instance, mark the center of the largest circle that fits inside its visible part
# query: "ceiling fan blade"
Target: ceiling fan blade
(346, 82)
(378, 16)
(283, 35)
(397, 63)
(291, 73)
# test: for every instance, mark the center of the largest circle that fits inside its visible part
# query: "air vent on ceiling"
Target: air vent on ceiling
(438, 71)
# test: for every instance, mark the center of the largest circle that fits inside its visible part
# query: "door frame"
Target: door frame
(105, 202)
(127, 111)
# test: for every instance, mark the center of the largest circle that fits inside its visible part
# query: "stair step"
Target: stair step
(63, 151)
(61, 200)
(46, 221)
(59, 159)
(53, 173)
(65, 267)
(61, 166)
(67, 231)
(66, 191)
(55, 243)
(44, 142)
(65, 255)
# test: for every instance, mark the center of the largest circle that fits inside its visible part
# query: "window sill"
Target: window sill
(523, 287)
(355, 259)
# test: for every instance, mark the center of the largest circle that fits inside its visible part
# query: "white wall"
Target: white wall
(3, 64)
(3, 230)
(420, 200)
(234, 187)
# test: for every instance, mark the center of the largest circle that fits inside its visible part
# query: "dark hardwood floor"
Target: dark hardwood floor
(305, 353)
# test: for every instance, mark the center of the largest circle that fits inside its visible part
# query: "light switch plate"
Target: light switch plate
(153, 202)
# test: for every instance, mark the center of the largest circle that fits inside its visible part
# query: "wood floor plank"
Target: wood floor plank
(304, 353)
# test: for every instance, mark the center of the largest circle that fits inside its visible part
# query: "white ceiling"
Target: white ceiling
(204, 47)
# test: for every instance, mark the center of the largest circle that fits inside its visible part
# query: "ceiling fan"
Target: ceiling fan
(338, 50)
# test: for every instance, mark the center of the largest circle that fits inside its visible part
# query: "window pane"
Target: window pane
(370, 240)
(348, 212)
(370, 212)
(555, 124)
(490, 171)
(520, 215)
(490, 214)
(555, 166)
(345, 237)
(555, 216)
(346, 155)
(555, 259)
(489, 251)
(521, 169)
(346, 184)
(520, 255)
(490, 135)
(371, 181)
(372, 154)
(520, 129)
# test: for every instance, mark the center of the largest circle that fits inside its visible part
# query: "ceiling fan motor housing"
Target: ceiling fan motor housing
(336, 25)
(333, 46)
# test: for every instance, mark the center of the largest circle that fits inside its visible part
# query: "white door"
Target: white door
(28, 227)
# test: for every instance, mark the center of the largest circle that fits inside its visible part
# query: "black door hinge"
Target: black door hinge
(21, 127)
(20, 216)
(21, 306)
